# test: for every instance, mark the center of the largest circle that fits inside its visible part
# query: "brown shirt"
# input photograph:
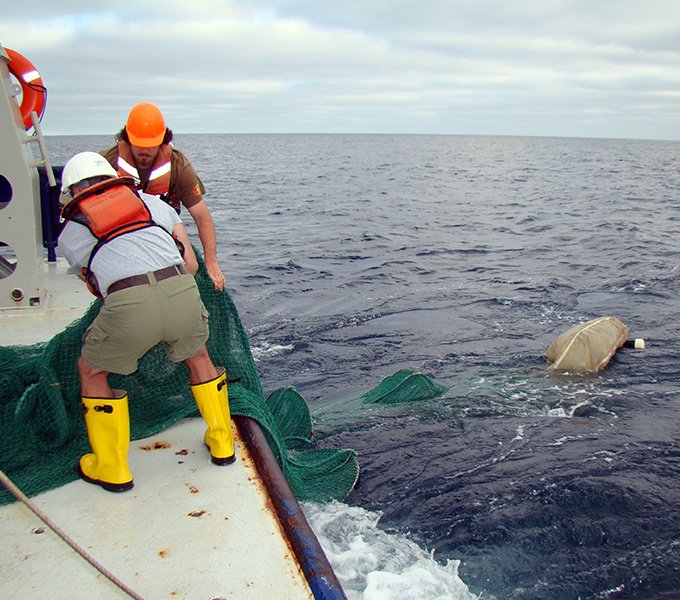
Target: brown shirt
(185, 185)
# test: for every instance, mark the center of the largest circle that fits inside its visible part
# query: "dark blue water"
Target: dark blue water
(350, 257)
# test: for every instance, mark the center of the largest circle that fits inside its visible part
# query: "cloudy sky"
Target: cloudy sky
(591, 68)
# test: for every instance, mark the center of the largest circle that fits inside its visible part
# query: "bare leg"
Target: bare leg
(93, 381)
(201, 367)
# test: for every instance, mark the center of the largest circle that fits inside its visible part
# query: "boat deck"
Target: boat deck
(188, 529)
(66, 301)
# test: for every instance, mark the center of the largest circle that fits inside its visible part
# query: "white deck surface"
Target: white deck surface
(187, 530)
(67, 300)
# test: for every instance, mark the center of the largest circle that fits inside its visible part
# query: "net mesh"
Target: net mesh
(42, 427)
(404, 386)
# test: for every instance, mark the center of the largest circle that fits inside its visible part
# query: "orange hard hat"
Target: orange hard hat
(145, 125)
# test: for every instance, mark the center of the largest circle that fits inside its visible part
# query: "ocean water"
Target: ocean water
(350, 257)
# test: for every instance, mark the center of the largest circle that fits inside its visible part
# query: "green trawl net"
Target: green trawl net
(42, 428)
(404, 386)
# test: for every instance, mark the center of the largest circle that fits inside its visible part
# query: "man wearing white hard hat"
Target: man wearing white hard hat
(128, 247)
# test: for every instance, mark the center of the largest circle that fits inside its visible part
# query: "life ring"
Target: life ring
(34, 92)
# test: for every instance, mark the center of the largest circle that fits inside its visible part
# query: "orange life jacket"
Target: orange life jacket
(158, 183)
(108, 209)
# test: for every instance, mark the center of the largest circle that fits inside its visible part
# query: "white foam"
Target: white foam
(267, 350)
(374, 565)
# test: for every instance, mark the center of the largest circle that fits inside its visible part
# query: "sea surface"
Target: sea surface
(351, 257)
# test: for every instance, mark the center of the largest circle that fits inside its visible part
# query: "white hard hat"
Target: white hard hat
(83, 166)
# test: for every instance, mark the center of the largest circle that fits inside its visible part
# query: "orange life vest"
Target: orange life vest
(108, 209)
(158, 183)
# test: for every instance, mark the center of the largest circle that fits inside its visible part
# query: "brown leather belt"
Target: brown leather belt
(159, 275)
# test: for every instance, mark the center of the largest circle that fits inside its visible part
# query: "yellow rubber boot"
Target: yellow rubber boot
(213, 403)
(108, 429)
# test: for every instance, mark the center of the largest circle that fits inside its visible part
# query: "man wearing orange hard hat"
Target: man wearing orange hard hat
(145, 152)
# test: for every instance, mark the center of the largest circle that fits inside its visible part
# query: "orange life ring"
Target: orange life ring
(34, 92)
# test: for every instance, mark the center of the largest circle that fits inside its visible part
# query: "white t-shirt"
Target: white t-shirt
(130, 254)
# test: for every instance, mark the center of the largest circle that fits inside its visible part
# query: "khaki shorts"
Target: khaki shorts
(134, 320)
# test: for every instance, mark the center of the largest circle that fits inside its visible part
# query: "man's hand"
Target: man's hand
(216, 275)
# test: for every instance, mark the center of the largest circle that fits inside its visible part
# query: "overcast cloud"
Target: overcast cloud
(596, 68)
